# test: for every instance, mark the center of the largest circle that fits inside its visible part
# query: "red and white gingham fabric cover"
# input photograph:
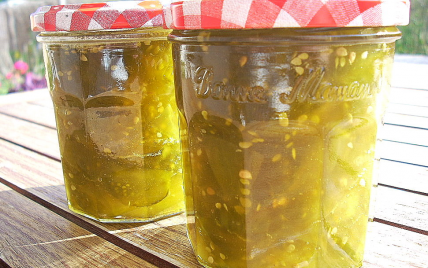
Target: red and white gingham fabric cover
(227, 14)
(98, 16)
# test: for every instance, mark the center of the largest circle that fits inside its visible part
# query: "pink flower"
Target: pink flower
(9, 76)
(21, 66)
(33, 81)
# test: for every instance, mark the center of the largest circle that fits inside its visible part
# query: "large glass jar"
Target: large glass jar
(116, 115)
(279, 133)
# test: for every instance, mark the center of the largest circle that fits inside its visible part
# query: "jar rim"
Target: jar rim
(288, 36)
(105, 36)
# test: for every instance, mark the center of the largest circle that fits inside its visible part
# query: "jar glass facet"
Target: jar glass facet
(117, 122)
(279, 134)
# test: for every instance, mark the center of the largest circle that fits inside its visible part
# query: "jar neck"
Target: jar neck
(291, 36)
(105, 36)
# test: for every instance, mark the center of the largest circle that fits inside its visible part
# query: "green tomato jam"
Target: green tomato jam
(117, 123)
(279, 130)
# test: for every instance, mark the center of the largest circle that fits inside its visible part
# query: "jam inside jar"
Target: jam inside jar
(117, 122)
(279, 131)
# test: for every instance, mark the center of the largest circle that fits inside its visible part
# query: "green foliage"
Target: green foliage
(415, 35)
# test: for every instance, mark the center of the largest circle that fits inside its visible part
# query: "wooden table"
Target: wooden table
(38, 230)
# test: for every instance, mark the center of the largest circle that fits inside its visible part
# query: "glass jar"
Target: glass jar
(117, 121)
(279, 131)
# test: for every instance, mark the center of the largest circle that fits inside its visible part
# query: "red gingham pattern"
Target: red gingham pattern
(227, 14)
(98, 16)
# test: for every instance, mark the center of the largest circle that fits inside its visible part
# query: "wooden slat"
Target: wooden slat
(405, 134)
(406, 153)
(45, 102)
(30, 135)
(410, 75)
(404, 176)
(391, 247)
(402, 207)
(407, 109)
(32, 171)
(406, 120)
(417, 97)
(31, 112)
(33, 236)
(168, 237)
(20, 97)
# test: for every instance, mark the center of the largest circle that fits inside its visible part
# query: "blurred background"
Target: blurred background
(21, 59)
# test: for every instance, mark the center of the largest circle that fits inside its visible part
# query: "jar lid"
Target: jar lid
(98, 16)
(250, 14)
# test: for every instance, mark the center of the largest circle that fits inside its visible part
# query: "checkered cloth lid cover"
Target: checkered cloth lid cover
(247, 14)
(98, 16)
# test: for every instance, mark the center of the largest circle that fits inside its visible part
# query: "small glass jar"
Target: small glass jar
(279, 132)
(117, 121)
